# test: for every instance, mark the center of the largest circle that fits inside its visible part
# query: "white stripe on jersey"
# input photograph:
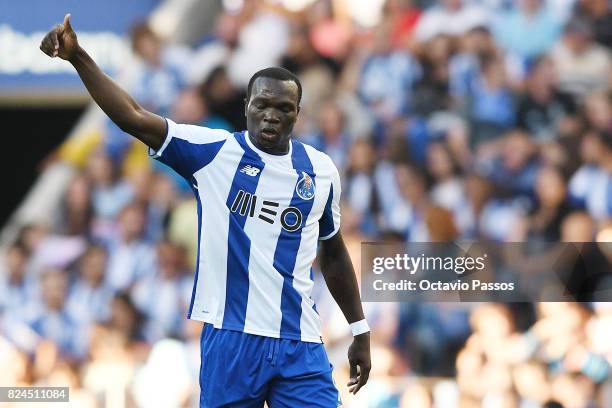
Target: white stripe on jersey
(263, 313)
(214, 180)
(310, 323)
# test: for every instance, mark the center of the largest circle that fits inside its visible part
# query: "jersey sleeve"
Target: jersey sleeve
(329, 223)
(188, 148)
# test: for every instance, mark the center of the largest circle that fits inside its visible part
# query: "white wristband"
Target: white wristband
(360, 327)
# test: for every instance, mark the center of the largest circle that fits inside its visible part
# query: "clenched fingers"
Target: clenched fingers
(50, 43)
(359, 374)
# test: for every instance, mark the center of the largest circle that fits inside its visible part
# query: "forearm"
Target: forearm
(120, 107)
(340, 278)
(114, 101)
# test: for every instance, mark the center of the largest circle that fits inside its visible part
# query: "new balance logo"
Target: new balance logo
(250, 170)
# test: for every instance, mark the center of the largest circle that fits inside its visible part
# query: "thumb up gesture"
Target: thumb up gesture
(61, 41)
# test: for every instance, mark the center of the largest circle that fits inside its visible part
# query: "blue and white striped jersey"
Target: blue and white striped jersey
(260, 217)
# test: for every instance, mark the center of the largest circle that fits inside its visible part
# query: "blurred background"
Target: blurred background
(448, 120)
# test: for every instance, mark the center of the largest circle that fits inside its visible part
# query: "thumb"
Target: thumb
(67, 26)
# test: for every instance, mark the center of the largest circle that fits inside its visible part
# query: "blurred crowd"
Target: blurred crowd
(448, 120)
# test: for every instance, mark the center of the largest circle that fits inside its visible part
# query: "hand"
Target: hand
(359, 360)
(61, 41)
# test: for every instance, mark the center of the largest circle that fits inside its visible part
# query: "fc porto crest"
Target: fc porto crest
(305, 187)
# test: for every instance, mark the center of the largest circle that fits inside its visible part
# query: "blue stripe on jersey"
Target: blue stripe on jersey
(238, 243)
(326, 223)
(187, 158)
(195, 279)
(314, 306)
(287, 249)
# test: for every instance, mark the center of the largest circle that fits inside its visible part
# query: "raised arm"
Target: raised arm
(120, 107)
(340, 278)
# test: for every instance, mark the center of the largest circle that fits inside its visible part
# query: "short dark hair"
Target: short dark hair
(279, 73)
(140, 30)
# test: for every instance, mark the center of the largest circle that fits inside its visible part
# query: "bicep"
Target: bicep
(330, 251)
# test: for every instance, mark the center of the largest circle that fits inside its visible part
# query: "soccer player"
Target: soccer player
(264, 202)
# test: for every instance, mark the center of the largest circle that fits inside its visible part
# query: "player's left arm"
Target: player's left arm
(339, 275)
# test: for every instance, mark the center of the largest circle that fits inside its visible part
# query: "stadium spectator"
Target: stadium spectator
(444, 172)
(527, 30)
(491, 109)
(599, 16)
(412, 186)
(582, 65)
(190, 107)
(542, 108)
(76, 212)
(598, 111)
(386, 76)
(162, 297)
(52, 321)
(215, 48)
(361, 192)
(453, 17)
(156, 81)
(251, 54)
(333, 137)
(130, 256)
(89, 297)
(16, 289)
(589, 187)
(110, 193)
(543, 222)
(223, 98)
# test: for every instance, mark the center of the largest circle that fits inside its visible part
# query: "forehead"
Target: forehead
(270, 88)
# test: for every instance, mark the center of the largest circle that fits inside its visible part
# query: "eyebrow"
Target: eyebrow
(283, 102)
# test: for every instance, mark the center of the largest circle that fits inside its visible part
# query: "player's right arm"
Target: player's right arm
(120, 107)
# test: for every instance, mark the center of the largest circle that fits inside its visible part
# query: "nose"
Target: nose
(271, 117)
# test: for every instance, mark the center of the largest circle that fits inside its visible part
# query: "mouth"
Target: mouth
(269, 133)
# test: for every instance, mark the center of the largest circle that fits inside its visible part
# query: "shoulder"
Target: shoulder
(196, 134)
(586, 170)
(317, 157)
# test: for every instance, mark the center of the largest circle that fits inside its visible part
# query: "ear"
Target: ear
(298, 109)
(246, 106)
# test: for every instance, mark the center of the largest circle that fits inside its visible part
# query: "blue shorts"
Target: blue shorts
(244, 370)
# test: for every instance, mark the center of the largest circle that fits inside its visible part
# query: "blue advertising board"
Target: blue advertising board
(102, 28)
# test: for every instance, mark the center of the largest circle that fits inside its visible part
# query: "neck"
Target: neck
(278, 150)
(94, 284)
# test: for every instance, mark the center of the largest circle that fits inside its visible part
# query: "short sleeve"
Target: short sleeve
(188, 148)
(329, 223)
